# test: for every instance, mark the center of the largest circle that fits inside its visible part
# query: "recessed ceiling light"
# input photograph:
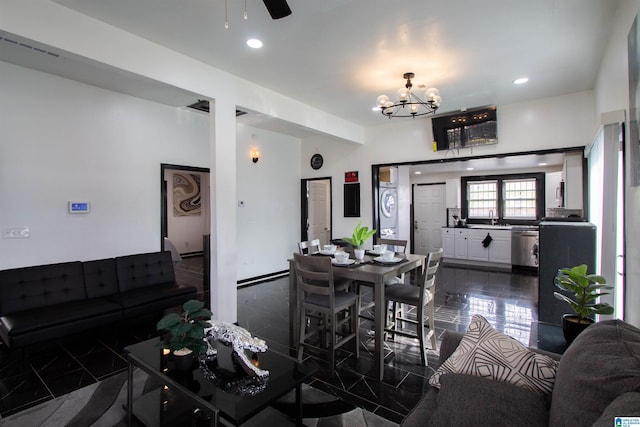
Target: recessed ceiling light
(470, 169)
(417, 173)
(521, 80)
(254, 43)
(542, 164)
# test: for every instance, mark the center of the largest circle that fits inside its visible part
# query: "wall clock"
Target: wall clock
(316, 161)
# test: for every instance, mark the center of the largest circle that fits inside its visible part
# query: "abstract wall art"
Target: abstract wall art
(186, 194)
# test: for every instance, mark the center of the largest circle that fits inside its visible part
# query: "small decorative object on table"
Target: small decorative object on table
(587, 288)
(187, 332)
(360, 235)
(227, 363)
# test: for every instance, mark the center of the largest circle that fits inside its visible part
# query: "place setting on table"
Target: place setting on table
(380, 255)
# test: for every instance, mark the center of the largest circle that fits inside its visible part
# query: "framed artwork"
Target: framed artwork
(633, 45)
(186, 194)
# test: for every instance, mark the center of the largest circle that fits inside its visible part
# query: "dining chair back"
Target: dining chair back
(308, 247)
(398, 246)
(317, 293)
(422, 298)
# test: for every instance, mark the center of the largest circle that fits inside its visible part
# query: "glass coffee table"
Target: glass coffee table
(187, 397)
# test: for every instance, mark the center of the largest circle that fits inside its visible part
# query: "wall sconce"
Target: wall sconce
(255, 155)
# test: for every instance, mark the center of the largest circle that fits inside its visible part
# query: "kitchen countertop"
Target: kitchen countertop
(498, 227)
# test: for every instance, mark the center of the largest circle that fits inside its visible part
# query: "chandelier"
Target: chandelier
(408, 104)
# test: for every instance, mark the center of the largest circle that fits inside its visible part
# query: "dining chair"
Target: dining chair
(317, 294)
(398, 246)
(309, 247)
(420, 297)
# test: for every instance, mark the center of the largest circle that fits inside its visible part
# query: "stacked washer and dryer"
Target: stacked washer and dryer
(388, 206)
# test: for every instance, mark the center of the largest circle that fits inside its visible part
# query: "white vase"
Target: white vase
(359, 253)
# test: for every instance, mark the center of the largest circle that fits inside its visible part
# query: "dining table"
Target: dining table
(373, 270)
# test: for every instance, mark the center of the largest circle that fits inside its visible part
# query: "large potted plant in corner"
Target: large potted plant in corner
(360, 235)
(586, 289)
(186, 331)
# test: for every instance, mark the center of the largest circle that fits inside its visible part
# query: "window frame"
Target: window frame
(540, 199)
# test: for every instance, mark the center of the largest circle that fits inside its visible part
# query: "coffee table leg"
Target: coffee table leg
(129, 393)
(299, 405)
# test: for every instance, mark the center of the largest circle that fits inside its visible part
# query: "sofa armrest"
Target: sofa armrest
(449, 343)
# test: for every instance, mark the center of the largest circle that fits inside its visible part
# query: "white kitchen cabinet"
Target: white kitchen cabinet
(552, 189)
(448, 237)
(500, 247)
(452, 189)
(573, 181)
(475, 249)
(460, 243)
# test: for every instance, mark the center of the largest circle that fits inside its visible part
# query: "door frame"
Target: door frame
(304, 206)
(164, 232)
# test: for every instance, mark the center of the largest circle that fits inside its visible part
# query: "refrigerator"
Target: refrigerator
(561, 245)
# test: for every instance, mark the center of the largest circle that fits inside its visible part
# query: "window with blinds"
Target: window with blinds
(482, 197)
(519, 198)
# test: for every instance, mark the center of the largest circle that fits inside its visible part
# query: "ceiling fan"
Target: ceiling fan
(277, 8)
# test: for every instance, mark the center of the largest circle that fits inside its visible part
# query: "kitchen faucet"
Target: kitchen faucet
(493, 220)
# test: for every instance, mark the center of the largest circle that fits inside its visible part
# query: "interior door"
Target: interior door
(429, 215)
(319, 210)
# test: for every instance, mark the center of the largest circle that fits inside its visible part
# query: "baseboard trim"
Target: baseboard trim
(261, 279)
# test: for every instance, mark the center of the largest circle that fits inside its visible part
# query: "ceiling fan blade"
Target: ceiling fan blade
(277, 8)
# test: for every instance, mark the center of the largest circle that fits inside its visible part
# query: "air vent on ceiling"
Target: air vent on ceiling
(203, 105)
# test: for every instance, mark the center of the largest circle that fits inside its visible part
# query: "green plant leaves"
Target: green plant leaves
(360, 235)
(187, 329)
(586, 289)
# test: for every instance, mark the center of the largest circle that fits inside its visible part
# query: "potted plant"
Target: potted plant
(586, 289)
(186, 331)
(360, 235)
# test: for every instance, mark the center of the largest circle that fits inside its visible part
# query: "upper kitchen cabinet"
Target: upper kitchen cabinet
(453, 193)
(572, 173)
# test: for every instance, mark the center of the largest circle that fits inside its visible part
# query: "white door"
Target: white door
(318, 203)
(429, 215)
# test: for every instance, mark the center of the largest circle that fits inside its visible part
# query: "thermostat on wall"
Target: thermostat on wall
(78, 207)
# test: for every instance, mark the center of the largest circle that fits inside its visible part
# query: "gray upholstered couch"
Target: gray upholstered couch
(598, 378)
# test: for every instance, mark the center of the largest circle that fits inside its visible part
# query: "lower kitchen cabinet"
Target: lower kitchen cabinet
(469, 244)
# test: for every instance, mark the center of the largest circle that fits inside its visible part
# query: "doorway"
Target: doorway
(184, 209)
(428, 217)
(316, 217)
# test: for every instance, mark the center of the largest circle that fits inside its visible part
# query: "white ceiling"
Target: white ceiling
(339, 55)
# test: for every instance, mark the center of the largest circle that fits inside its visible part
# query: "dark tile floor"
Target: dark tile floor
(507, 300)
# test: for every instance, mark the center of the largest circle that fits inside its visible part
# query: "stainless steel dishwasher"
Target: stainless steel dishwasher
(524, 246)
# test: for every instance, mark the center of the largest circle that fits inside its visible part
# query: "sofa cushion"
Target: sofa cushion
(601, 364)
(142, 270)
(100, 277)
(625, 405)
(485, 352)
(40, 286)
(465, 400)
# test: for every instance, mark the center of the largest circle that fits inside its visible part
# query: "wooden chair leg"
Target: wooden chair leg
(421, 335)
(303, 322)
(354, 325)
(432, 325)
(332, 343)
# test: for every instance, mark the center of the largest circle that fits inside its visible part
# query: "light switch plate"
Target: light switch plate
(15, 232)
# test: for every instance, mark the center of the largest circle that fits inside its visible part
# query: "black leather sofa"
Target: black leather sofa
(46, 302)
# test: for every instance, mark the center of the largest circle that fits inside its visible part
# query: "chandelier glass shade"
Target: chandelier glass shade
(407, 103)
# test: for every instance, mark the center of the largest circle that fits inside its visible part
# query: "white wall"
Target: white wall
(563, 121)
(612, 93)
(62, 141)
(268, 225)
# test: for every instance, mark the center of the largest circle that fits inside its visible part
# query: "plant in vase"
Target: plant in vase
(186, 330)
(586, 289)
(358, 238)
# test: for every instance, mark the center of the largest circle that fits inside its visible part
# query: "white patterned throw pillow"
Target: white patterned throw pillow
(485, 352)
